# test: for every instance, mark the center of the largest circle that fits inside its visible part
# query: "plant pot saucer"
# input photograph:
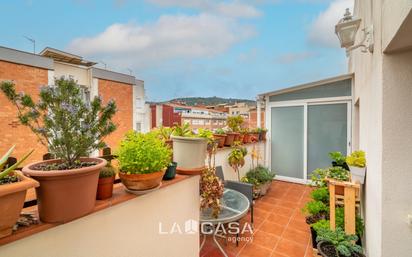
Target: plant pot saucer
(142, 192)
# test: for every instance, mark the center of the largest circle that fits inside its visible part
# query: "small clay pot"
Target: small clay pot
(221, 139)
(230, 138)
(246, 138)
(142, 181)
(241, 137)
(105, 188)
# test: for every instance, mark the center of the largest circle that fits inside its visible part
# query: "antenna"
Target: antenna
(105, 65)
(130, 71)
(33, 42)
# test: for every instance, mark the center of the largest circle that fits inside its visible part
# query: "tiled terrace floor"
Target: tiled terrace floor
(279, 226)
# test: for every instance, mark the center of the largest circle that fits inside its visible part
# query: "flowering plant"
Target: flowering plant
(63, 121)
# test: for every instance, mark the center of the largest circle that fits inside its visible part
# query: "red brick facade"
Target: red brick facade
(27, 79)
(122, 94)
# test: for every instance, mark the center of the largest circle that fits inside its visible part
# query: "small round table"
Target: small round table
(235, 205)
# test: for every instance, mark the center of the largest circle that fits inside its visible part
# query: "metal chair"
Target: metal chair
(219, 173)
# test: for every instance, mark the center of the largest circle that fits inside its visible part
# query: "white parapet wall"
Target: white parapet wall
(229, 173)
(137, 227)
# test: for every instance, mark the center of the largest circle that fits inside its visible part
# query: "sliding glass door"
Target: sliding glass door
(302, 136)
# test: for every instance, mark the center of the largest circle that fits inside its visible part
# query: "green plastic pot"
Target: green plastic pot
(170, 172)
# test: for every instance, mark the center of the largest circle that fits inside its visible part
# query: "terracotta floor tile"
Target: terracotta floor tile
(264, 206)
(265, 239)
(275, 254)
(290, 248)
(269, 199)
(272, 228)
(260, 214)
(278, 219)
(252, 250)
(284, 211)
(296, 236)
(288, 204)
(299, 225)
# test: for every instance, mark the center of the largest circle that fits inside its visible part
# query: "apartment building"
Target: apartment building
(30, 71)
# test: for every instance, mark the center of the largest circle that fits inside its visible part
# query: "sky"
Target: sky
(183, 48)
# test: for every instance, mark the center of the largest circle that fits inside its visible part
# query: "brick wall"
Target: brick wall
(122, 94)
(27, 79)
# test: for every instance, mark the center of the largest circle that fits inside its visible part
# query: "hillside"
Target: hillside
(211, 100)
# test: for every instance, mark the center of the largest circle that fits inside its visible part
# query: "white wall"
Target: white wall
(128, 229)
(382, 85)
(80, 74)
(139, 107)
(229, 173)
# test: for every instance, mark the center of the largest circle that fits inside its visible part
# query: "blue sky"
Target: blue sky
(230, 48)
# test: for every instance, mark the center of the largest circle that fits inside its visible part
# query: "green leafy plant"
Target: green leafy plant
(165, 133)
(107, 171)
(318, 177)
(62, 120)
(338, 157)
(6, 173)
(182, 130)
(321, 224)
(236, 158)
(343, 243)
(235, 123)
(220, 131)
(338, 173)
(142, 153)
(315, 207)
(258, 176)
(357, 159)
(340, 221)
(205, 133)
(320, 194)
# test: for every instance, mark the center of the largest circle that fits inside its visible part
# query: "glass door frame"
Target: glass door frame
(304, 103)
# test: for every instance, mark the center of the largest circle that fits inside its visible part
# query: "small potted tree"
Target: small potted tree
(71, 129)
(357, 166)
(235, 124)
(143, 159)
(13, 188)
(236, 159)
(189, 150)
(105, 183)
(220, 135)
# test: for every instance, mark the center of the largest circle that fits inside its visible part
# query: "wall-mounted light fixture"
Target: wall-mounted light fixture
(346, 30)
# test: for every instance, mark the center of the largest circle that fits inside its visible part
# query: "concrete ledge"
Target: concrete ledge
(114, 76)
(20, 57)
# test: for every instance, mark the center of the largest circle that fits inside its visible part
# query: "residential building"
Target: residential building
(198, 117)
(31, 71)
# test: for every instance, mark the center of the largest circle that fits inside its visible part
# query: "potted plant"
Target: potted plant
(13, 188)
(319, 177)
(189, 150)
(170, 171)
(338, 159)
(254, 135)
(143, 159)
(165, 134)
(105, 183)
(220, 135)
(235, 124)
(236, 159)
(261, 178)
(357, 166)
(230, 137)
(262, 134)
(246, 135)
(337, 244)
(71, 129)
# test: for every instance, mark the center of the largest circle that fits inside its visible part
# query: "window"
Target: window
(138, 127)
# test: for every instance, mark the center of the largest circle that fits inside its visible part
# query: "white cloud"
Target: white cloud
(170, 37)
(322, 30)
(289, 58)
(234, 9)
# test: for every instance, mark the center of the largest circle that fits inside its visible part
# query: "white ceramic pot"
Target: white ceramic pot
(264, 188)
(189, 153)
(358, 174)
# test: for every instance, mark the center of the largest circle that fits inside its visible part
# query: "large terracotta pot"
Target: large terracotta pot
(190, 154)
(221, 138)
(105, 188)
(237, 136)
(254, 137)
(142, 181)
(65, 195)
(12, 198)
(241, 136)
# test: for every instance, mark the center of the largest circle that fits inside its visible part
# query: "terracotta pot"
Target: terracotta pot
(230, 138)
(142, 181)
(263, 135)
(65, 195)
(246, 138)
(169, 143)
(221, 138)
(241, 136)
(105, 188)
(237, 136)
(254, 137)
(12, 198)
